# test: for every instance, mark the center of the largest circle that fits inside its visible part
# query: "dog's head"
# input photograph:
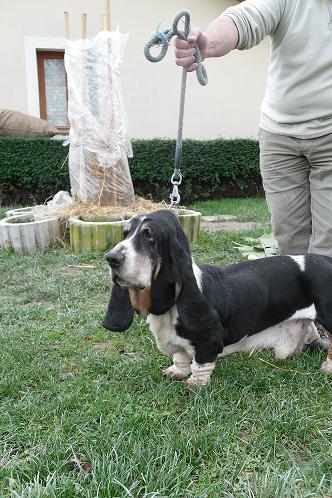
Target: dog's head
(148, 249)
(151, 270)
(145, 268)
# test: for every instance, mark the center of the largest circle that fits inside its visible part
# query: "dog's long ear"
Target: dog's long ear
(194, 310)
(120, 313)
(179, 254)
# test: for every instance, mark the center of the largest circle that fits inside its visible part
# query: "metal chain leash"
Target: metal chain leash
(162, 39)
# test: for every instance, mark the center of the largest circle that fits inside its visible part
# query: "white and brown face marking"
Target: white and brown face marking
(140, 300)
(134, 261)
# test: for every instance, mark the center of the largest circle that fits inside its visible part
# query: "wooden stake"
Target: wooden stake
(114, 194)
(67, 33)
(83, 26)
(108, 15)
(102, 19)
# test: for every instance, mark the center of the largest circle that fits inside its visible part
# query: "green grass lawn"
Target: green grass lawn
(253, 209)
(86, 413)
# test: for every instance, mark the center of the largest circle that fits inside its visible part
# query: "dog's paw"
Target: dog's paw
(195, 382)
(175, 373)
(326, 366)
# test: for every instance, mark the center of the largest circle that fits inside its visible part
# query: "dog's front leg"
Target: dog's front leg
(201, 373)
(181, 366)
(203, 363)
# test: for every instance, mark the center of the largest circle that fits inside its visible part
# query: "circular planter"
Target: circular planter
(190, 222)
(18, 211)
(97, 234)
(106, 231)
(24, 234)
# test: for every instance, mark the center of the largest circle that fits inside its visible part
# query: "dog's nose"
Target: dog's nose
(115, 259)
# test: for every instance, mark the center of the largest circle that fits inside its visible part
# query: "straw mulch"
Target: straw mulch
(91, 211)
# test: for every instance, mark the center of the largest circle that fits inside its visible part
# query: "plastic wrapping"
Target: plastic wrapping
(60, 201)
(99, 140)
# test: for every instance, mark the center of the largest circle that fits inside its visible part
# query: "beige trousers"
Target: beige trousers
(297, 179)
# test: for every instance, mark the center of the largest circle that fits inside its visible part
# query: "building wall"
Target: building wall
(228, 106)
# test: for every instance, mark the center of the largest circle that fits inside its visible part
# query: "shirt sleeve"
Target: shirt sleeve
(256, 19)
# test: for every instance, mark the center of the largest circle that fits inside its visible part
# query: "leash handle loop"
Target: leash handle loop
(162, 39)
(159, 39)
(183, 16)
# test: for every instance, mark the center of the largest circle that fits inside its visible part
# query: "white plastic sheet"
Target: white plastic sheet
(61, 200)
(99, 140)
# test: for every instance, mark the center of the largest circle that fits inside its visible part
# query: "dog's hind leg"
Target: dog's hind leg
(327, 364)
(311, 333)
(293, 334)
(181, 366)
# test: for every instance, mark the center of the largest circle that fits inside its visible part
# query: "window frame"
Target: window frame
(43, 55)
(32, 45)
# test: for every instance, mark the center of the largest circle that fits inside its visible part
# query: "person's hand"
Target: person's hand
(185, 50)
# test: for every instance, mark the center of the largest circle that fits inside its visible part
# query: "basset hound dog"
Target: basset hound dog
(199, 312)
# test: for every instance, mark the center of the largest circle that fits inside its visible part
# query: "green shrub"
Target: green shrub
(210, 168)
(31, 170)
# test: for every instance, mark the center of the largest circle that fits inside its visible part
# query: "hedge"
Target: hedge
(32, 170)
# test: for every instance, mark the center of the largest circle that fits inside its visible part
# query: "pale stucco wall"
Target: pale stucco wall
(228, 106)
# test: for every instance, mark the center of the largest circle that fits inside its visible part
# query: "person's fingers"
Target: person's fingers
(189, 42)
(179, 53)
(184, 50)
(193, 35)
(185, 61)
(193, 67)
(182, 44)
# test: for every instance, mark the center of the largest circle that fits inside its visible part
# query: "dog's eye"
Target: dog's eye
(125, 233)
(147, 234)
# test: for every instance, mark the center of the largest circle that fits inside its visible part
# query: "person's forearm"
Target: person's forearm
(222, 35)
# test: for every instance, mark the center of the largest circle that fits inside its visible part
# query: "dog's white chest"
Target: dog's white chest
(163, 329)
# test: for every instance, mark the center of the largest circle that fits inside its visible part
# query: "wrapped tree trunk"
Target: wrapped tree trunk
(99, 141)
